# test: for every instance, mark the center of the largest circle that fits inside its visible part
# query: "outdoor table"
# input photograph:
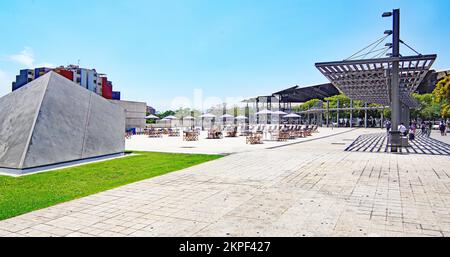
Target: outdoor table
(174, 133)
(154, 133)
(254, 138)
(215, 135)
(232, 134)
(190, 136)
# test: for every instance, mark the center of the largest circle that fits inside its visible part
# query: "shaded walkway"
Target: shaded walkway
(378, 143)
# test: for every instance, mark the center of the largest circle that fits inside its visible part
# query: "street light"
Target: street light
(395, 83)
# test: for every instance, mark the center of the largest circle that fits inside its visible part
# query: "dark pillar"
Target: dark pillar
(224, 120)
(365, 115)
(351, 113)
(247, 114)
(257, 110)
(328, 113)
(395, 83)
(193, 120)
(337, 110)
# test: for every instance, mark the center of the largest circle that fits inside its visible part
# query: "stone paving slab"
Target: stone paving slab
(309, 189)
(378, 143)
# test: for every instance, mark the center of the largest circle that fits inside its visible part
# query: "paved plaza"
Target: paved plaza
(313, 188)
(226, 145)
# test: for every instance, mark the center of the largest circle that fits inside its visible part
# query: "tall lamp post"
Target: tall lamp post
(395, 85)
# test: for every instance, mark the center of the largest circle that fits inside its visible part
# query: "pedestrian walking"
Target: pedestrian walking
(423, 128)
(442, 128)
(412, 131)
(388, 126)
(429, 128)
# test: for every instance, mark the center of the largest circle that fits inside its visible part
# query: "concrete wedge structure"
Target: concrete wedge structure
(53, 120)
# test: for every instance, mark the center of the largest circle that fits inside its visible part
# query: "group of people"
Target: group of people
(425, 128)
(444, 128)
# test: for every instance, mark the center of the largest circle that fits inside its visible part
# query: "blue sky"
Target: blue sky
(155, 51)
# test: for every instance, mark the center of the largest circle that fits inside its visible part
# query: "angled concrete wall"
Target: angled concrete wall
(135, 113)
(70, 123)
(19, 111)
(105, 128)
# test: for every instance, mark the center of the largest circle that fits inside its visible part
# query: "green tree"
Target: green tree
(344, 102)
(308, 105)
(428, 108)
(387, 113)
(184, 112)
(165, 114)
(442, 96)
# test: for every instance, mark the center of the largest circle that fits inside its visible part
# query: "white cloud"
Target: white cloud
(26, 58)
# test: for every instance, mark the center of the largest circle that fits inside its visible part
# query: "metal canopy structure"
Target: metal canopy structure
(369, 80)
(298, 94)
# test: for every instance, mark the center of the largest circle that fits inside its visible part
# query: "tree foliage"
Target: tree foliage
(308, 105)
(165, 114)
(441, 96)
(428, 108)
(344, 101)
(184, 112)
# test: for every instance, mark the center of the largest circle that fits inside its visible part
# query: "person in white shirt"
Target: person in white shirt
(402, 129)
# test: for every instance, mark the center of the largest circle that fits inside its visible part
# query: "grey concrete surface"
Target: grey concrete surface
(313, 188)
(226, 145)
(60, 127)
(135, 113)
(19, 110)
(58, 121)
(105, 129)
(58, 166)
(436, 134)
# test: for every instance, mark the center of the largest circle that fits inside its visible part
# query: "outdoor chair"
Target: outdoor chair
(254, 138)
(299, 132)
(307, 131)
(316, 129)
(214, 134)
(154, 133)
(284, 135)
(232, 132)
(190, 136)
(174, 133)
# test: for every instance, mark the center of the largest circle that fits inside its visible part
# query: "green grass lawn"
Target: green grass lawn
(24, 194)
